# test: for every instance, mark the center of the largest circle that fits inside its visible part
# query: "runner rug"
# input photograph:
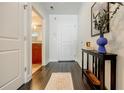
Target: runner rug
(60, 81)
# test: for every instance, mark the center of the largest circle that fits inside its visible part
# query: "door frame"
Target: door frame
(27, 41)
(28, 44)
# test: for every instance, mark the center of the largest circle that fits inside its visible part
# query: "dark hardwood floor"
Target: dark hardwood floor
(42, 76)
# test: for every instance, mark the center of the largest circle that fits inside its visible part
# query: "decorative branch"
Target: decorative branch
(101, 20)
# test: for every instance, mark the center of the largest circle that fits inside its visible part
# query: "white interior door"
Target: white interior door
(67, 37)
(11, 45)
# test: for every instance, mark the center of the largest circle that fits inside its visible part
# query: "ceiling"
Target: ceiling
(62, 7)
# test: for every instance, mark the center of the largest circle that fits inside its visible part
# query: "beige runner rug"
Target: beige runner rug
(60, 81)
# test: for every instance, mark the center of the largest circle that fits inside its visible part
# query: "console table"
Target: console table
(96, 75)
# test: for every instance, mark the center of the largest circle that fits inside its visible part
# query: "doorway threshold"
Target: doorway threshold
(66, 61)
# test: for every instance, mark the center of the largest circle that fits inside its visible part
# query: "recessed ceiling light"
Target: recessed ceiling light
(51, 7)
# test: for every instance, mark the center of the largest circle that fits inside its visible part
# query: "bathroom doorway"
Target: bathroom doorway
(37, 24)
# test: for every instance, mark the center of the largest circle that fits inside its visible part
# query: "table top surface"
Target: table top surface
(97, 53)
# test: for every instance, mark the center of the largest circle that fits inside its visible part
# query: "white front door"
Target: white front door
(63, 37)
(67, 37)
(11, 45)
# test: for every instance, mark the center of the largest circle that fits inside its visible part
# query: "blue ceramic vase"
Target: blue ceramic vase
(102, 42)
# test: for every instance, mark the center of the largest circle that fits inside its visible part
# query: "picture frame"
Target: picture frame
(96, 7)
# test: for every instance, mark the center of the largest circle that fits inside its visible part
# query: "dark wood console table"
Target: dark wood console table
(96, 76)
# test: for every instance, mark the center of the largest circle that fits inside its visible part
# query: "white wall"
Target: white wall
(39, 7)
(84, 29)
(53, 55)
(115, 40)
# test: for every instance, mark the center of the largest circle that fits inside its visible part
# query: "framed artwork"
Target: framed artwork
(95, 9)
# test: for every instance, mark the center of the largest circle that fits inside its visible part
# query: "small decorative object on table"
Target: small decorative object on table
(88, 45)
(101, 20)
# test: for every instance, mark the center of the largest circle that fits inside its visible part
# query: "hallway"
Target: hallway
(72, 38)
(42, 76)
